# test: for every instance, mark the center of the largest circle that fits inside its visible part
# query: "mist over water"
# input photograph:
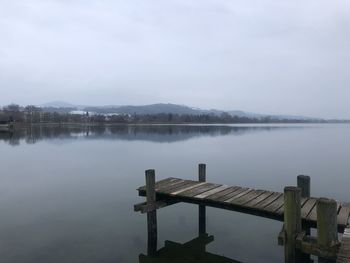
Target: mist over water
(67, 193)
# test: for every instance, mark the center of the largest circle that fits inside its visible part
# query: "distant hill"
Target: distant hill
(146, 109)
(164, 108)
(57, 104)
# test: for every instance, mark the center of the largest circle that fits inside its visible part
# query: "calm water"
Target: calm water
(67, 194)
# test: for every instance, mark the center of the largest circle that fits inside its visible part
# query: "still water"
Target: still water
(67, 193)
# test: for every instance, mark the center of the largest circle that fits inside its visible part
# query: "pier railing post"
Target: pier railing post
(327, 232)
(201, 208)
(292, 222)
(152, 215)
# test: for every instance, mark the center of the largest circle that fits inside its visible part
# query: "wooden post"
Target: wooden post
(152, 215)
(303, 182)
(292, 222)
(327, 232)
(304, 185)
(201, 208)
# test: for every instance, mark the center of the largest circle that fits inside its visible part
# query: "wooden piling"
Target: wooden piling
(327, 233)
(292, 222)
(303, 182)
(201, 208)
(151, 215)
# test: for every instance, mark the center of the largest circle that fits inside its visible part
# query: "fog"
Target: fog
(278, 57)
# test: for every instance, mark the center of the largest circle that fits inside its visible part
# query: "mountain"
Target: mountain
(57, 104)
(146, 109)
(166, 108)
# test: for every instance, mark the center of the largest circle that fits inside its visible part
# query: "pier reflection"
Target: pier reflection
(193, 251)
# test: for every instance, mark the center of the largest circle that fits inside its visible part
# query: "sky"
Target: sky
(268, 56)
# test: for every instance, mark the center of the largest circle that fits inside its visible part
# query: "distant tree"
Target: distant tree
(32, 113)
(13, 112)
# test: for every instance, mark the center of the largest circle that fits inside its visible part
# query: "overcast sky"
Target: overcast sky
(268, 56)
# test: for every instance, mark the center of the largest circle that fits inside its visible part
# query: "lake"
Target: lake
(67, 193)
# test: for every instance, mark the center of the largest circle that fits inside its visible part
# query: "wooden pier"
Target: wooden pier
(294, 207)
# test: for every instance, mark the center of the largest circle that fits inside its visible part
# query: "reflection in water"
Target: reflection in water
(193, 251)
(153, 133)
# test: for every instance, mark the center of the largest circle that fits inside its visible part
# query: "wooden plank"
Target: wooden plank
(176, 187)
(248, 197)
(275, 205)
(267, 201)
(280, 211)
(234, 194)
(344, 251)
(145, 208)
(160, 183)
(313, 214)
(199, 190)
(179, 191)
(222, 195)
(307, 207)
(211, 192)
(238, 195)
(169, 184)
(259, 199)
(344, 213)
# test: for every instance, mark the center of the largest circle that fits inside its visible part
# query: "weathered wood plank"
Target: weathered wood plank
(213, 191)
(145, 208)
(238, 195)
(344, 251)
(280, 211)
(259, 199)
(176, 186)
(183, 189)
(248, 197)
(344, 213)
(229, 195)
(275, 205)
(160, 183)
(170, 184)
(307, 207)
(201, 189)
(267, 201)
(313, 214)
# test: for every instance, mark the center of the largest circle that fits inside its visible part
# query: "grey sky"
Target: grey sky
(268, 56)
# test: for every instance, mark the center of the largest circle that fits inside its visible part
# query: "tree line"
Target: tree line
(31, 114)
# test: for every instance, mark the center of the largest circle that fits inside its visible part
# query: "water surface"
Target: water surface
(67, 193)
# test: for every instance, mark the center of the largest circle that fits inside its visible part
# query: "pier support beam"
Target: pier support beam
(151, 215)
(201, 208)
(292, 223)
(327, 233)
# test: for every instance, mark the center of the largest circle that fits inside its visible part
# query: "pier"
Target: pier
(298, 211)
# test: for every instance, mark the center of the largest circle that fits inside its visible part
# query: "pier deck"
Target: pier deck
(262, 203)
(344, 251)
